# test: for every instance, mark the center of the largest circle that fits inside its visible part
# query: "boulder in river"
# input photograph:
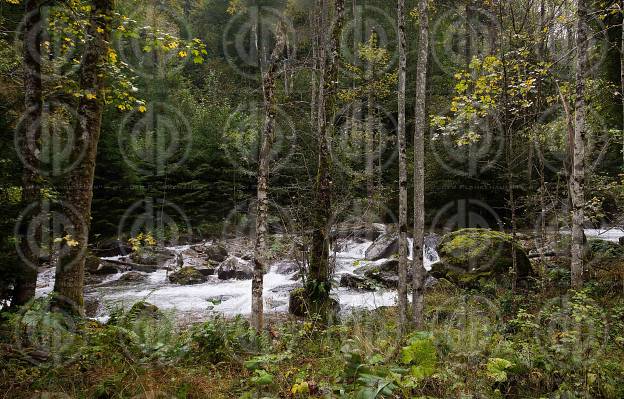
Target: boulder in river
(132, 277)
(187, 276)
(356, 282)
(385, 273)
(152, 256)
(357, 230)
(385, 246)
(469, 255)
(106, 268)
(285, 267)
(214, 253)
(207, 270)
(235, 268)
(144, 310)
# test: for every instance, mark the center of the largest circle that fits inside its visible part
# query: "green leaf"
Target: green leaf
(262, 378)
(421, 355)
(497, 369)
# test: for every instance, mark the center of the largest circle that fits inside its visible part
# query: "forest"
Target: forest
(341, 199)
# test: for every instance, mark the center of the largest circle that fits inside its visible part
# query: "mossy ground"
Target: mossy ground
(487, 343)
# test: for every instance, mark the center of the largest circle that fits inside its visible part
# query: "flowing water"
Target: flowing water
(230, 297)
(233, 297)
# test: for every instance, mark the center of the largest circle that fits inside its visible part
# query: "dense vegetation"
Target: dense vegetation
(130, 126)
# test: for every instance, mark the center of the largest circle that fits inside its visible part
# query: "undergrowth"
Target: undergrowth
(487, 343)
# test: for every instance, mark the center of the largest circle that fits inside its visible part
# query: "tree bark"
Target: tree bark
(370, 150)
(419, 272)
(318, 285)
(262, 210)
(577, 184)
(26, 280)
(402, 288)
(622, 73)
(69, 282)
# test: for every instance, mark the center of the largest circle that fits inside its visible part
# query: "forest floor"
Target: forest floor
(487, 342)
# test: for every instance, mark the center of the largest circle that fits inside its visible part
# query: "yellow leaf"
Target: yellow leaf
(182, 54)
(142, 108)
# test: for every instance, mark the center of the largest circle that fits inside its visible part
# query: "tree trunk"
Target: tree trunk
(622, 73)
(318, 285)
(26, 280)
(577, 184)
(69, 282)
(421, 124)
(370, 150)
(402, 288)
(262, 211)
(468, 32)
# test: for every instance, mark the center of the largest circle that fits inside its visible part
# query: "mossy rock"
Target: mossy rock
(358, 283)
(187, 276)
(298, 305)
(144, 310)
(470, 255)
(297, 302)
(92, 262)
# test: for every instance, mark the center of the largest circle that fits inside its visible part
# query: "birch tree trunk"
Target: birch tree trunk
(318, 285)
(262, 210)
(577, 184)
(420, 117)
(69, 282)
(402, 288)
(26, 280)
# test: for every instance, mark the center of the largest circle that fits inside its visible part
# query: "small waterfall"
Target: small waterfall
(430, 254)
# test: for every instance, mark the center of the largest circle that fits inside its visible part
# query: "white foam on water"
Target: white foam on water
(231, 297)
(612, 234)
(609, 234)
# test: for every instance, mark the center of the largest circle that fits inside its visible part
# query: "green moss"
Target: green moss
(479, 252)
(296, 302)
(187, 276)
